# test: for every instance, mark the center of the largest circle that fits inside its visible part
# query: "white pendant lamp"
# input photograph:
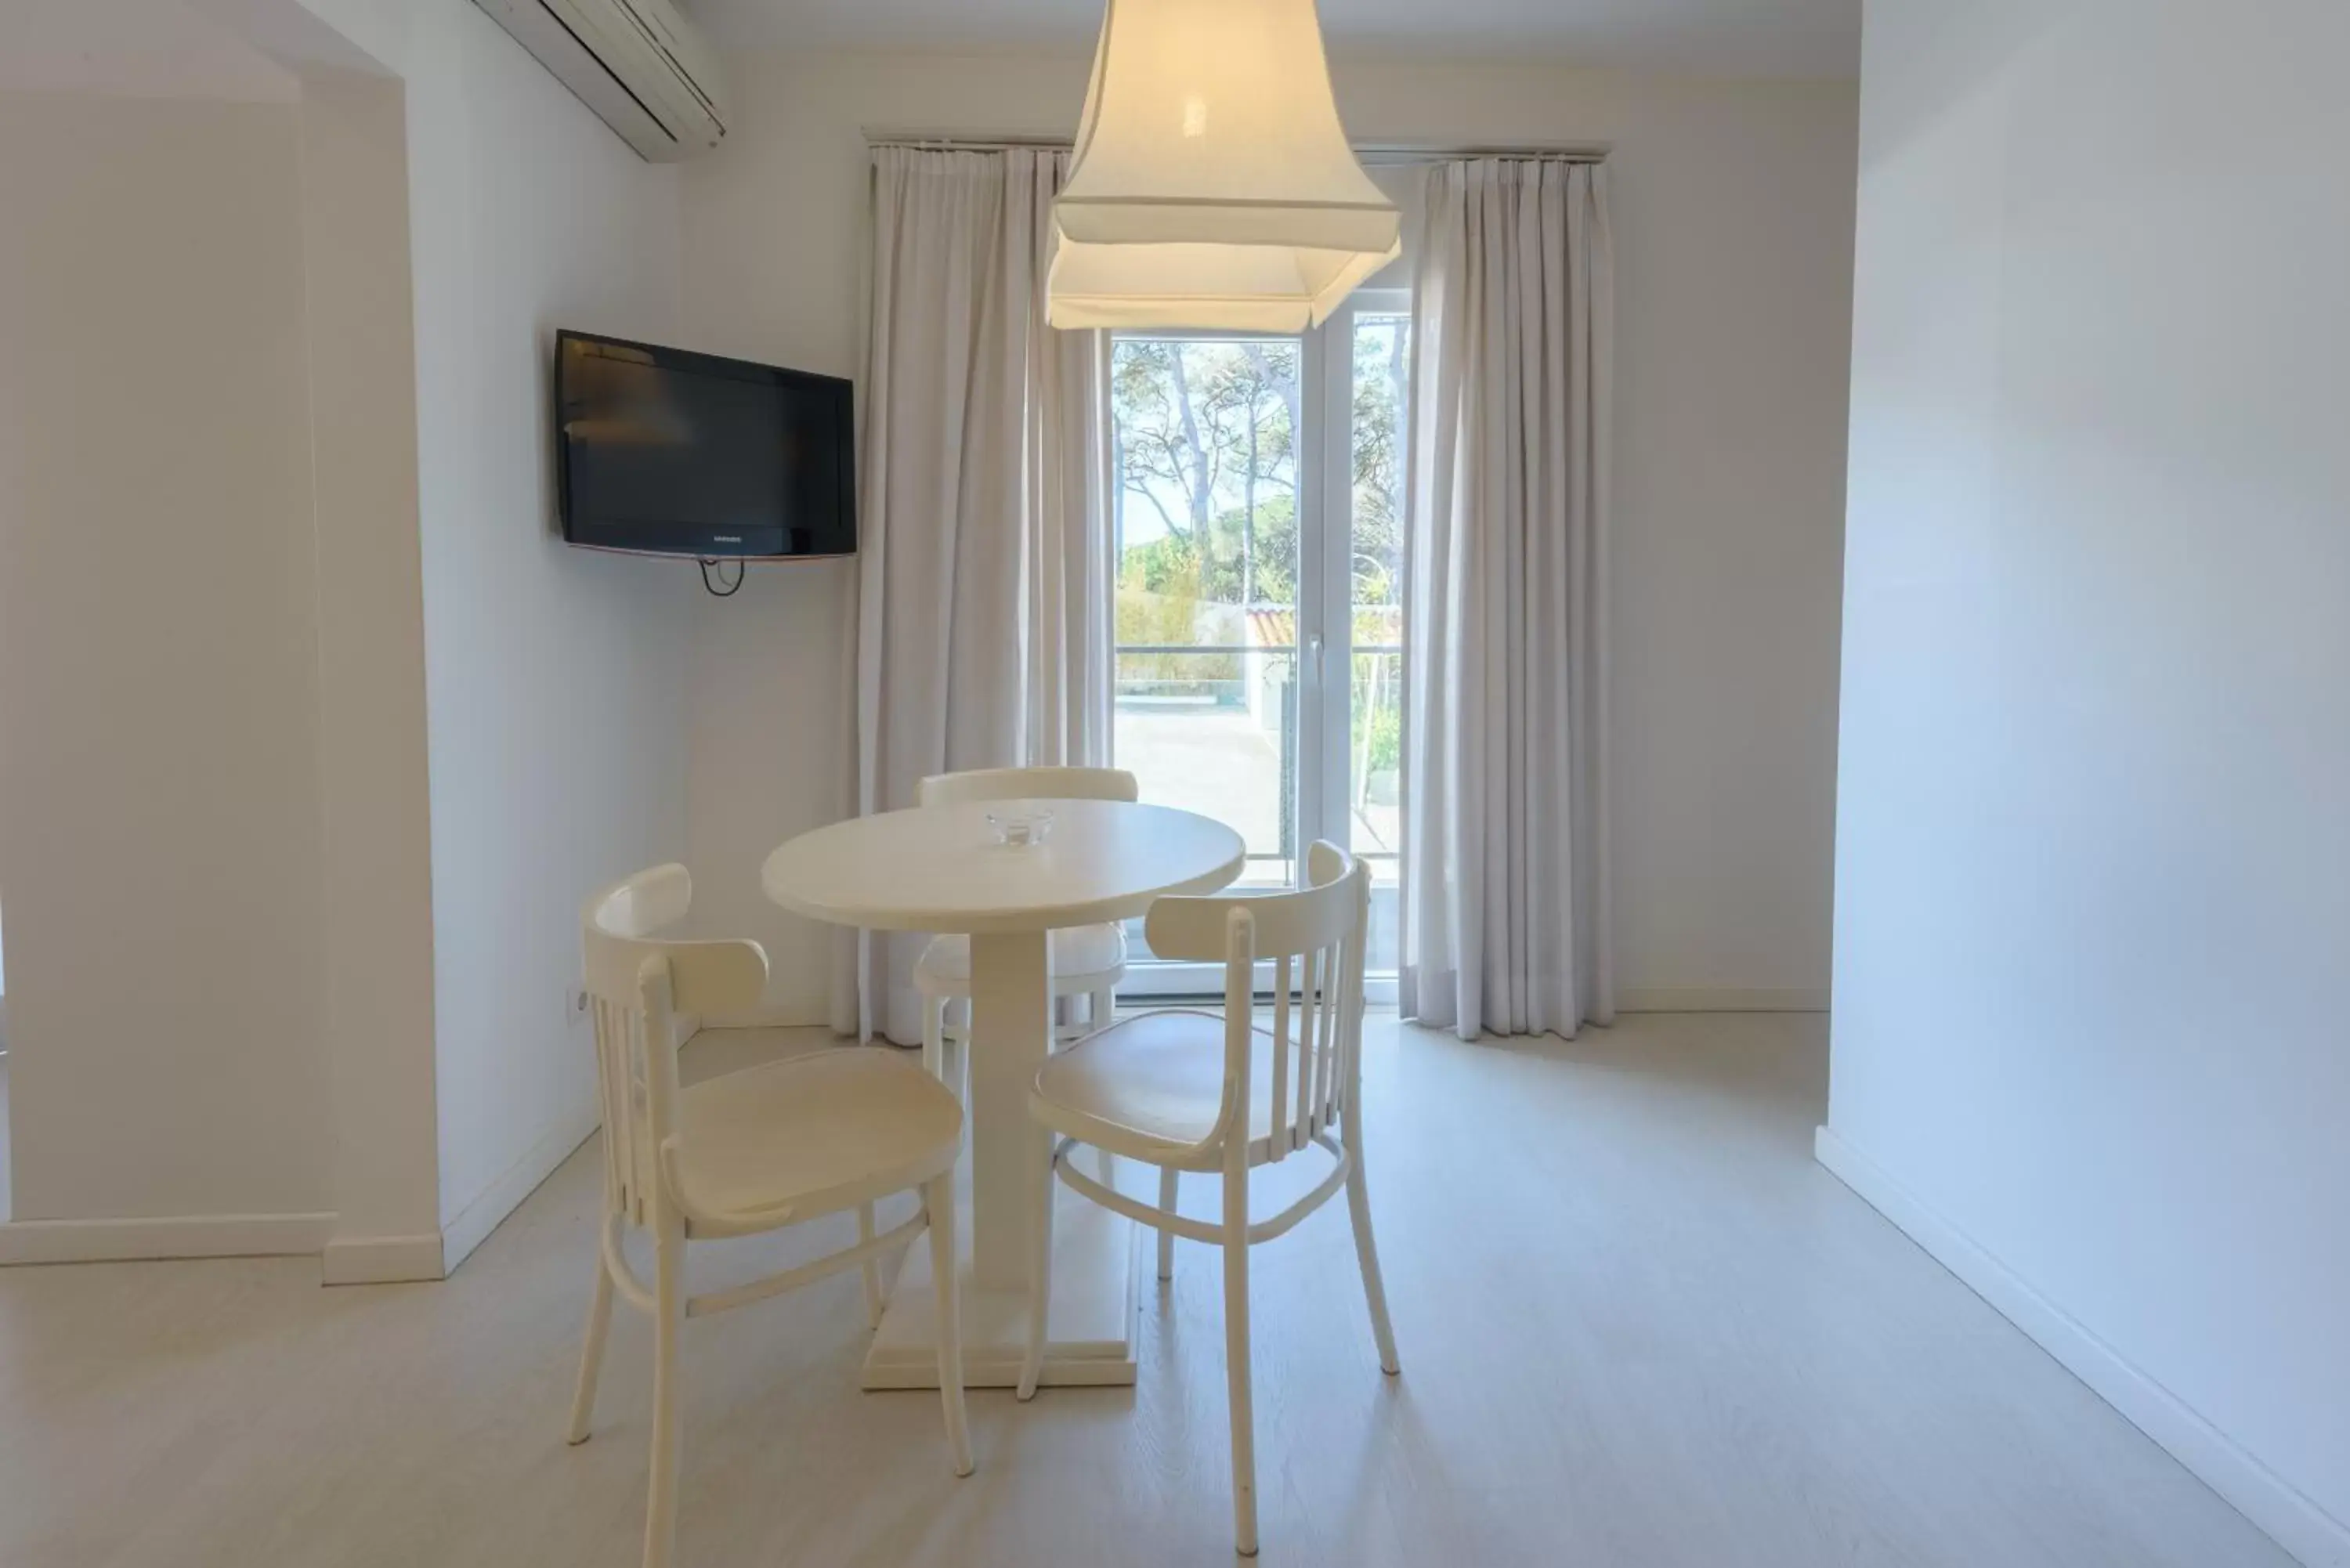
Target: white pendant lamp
(1211, 184)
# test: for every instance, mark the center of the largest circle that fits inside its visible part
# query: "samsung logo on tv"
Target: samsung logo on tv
(726, 538)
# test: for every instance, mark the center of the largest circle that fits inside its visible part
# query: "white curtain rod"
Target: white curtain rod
(1436, 153)
(1372, 152)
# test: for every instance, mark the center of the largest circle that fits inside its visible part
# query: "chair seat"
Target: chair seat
(815, 1133)
(1151, 1086)
(1081, 951)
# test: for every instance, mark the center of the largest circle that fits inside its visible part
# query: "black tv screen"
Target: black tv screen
(671, 454)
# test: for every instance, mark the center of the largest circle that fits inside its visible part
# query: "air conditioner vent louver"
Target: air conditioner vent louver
(641, 65)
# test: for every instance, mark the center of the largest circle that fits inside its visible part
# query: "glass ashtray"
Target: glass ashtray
(1019, 827)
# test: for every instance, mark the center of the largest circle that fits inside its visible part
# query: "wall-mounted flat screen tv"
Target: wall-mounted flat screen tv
(669, 453)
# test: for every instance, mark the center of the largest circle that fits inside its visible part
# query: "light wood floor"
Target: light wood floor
(1639, 1329)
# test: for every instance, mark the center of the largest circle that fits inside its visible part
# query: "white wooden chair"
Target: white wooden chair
(744, 1153)
(1087, 960)
(1191, 1091)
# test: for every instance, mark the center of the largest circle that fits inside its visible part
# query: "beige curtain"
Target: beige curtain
(1506, 883)
(983, 615)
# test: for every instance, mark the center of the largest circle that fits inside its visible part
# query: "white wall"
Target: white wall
(165, 261)
(378, 915)
(555, 678)
(232, 524)
(1733, 203)
(159, 820)
(2091, 918)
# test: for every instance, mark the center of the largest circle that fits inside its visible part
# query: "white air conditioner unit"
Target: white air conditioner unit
(646, 70)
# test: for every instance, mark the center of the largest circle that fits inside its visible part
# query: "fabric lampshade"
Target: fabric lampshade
(1212, 185)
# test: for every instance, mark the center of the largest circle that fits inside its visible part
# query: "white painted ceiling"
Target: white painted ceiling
(1770, 37)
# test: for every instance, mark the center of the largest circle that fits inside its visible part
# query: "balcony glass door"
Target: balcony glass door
(1369, 345)
(1258, 518)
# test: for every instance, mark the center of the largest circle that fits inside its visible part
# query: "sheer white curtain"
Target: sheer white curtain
(983, 616)
(1505, 919)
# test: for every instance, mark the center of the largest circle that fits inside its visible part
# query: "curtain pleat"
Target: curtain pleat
(983, 621)
(1506, 880)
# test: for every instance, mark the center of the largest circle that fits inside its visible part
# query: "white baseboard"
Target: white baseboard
(1722, 1000)
(471, 1225)
(2259, 1493)
(179, 1236)
(383, 1260)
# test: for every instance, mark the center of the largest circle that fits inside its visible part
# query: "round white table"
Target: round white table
(939, 869)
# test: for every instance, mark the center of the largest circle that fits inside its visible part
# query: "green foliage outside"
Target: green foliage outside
(1159, 601)
(1383, 750)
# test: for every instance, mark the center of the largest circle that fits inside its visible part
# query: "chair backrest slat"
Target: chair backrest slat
(1341, 1008)
(1028, 783)
(1314, 938)
(1310, 989)
(639, 986)
(1342, 1043)
(1282, 1043)
(1350, 1005)
(620, 1163)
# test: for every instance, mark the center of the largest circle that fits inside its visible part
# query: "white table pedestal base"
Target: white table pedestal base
(1094, 1322)
(940, 869)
